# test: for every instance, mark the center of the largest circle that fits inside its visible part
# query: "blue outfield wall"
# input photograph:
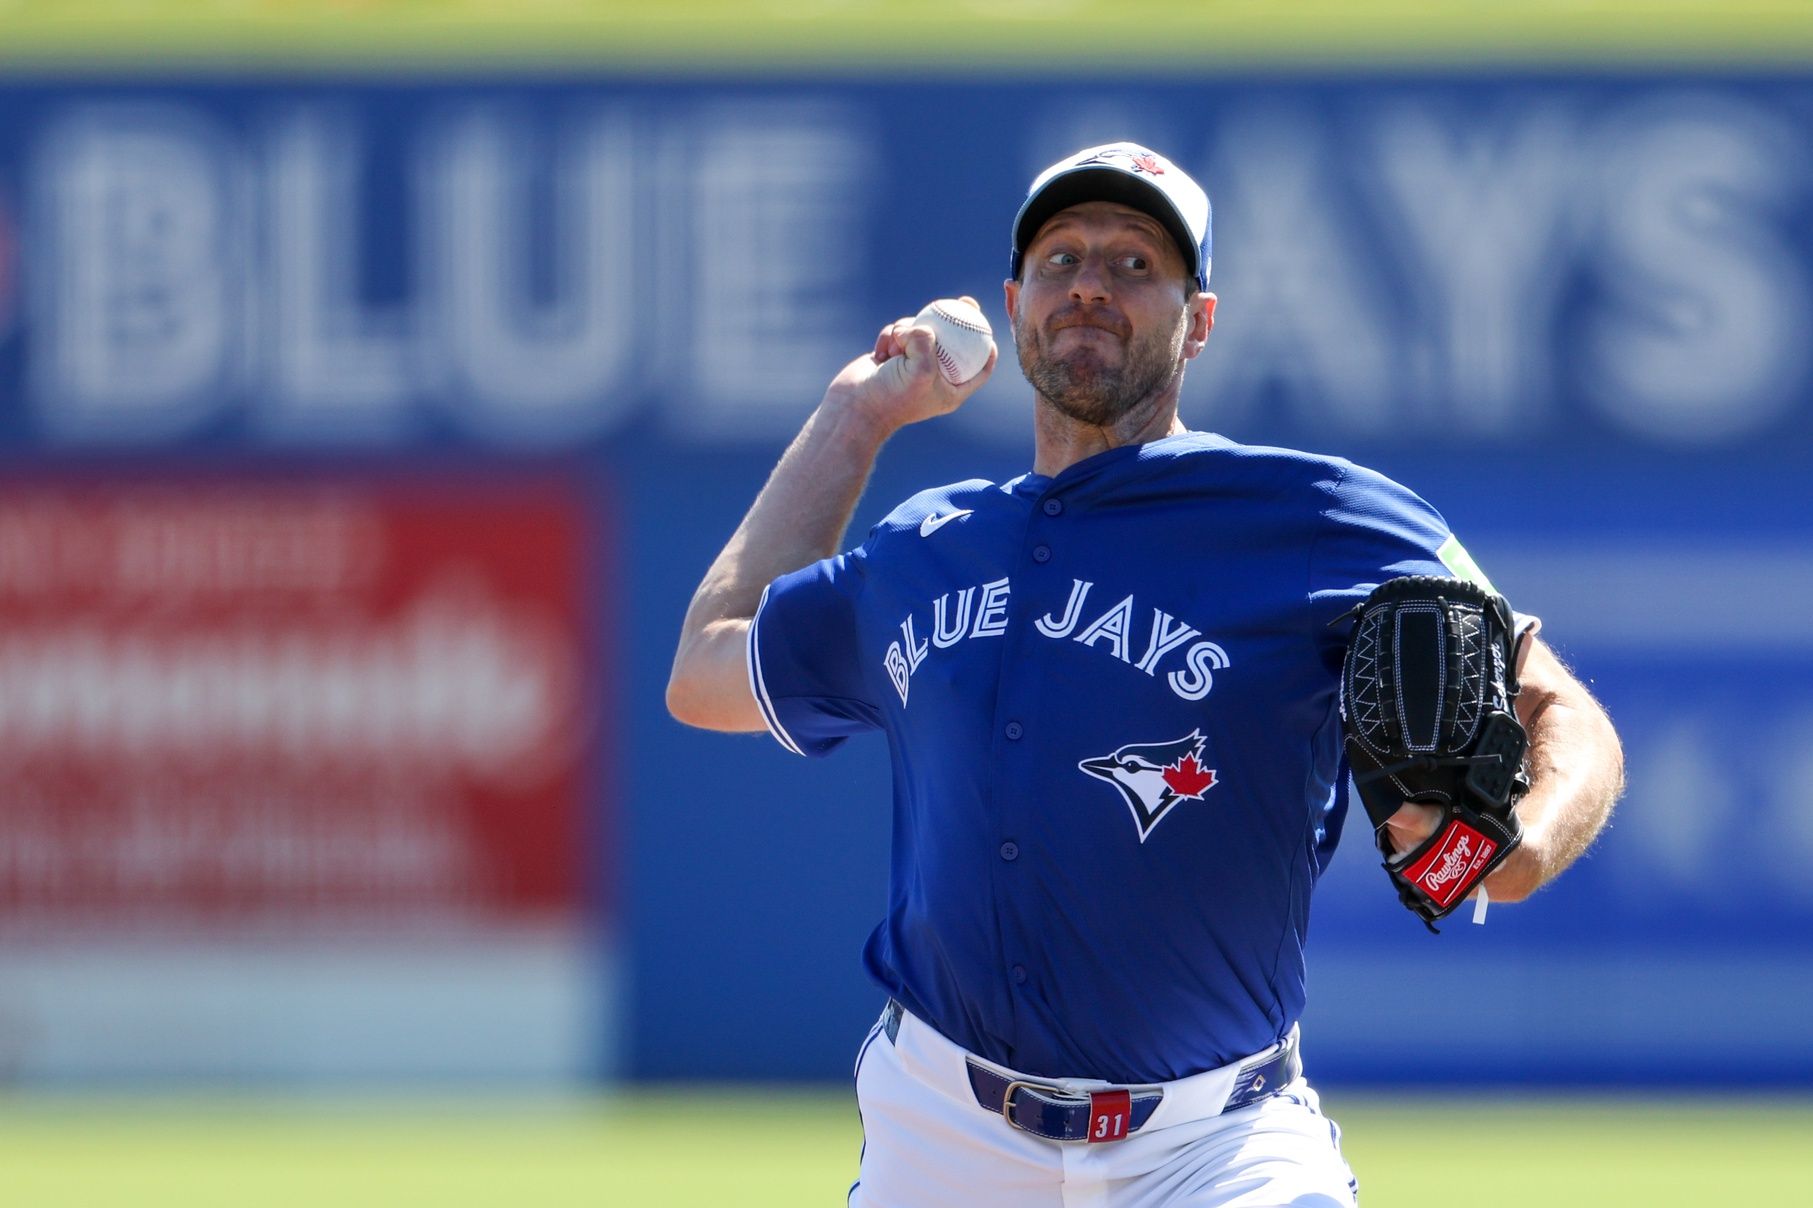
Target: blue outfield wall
(1570, 310)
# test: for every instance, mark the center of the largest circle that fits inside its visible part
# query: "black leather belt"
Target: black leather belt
(1109, 1113)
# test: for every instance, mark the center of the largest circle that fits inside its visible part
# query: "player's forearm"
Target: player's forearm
(799, 517)
(1576, 774)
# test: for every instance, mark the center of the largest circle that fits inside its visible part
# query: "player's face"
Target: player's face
(1106, 314)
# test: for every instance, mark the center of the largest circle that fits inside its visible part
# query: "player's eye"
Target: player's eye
(1061, 259)
(1136, 264)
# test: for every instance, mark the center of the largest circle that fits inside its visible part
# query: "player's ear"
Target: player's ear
(1202, 321)
(1011, 289)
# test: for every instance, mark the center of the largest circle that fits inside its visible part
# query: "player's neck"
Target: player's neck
(1059, 441)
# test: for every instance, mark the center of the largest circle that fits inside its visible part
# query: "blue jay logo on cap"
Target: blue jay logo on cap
(1131, 175)
(1154, 776)
(1139, 161)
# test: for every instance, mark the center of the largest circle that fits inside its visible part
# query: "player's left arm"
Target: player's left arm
(1576, 768)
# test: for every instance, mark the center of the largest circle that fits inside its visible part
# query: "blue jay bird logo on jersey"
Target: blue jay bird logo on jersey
(1154, 776)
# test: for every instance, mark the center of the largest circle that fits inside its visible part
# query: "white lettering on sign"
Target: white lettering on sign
(1409, 262)
(143, 547)
(1304, 316)
(455, 679)
(728, 266)
(1435, 301)
(183, 627)
(315, 842)
(1482, 212)
(523, 366)
(1703, 335)
(133, 315)
(340, 364)
(777, 244)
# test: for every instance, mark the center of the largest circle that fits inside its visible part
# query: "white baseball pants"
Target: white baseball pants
(927, 1143)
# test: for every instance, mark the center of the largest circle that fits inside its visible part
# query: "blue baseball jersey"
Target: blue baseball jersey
(1112, 701)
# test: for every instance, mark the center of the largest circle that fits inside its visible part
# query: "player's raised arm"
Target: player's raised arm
(1576, 767)
(801, 514)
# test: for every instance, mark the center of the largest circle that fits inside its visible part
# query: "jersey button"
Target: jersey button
(1019, 975)
(1010, 851)
(1041, 553)
(1014, 729)
(1053, 506)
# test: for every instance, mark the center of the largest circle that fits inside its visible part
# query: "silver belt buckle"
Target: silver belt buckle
(1068, 1097)
(1007, 1096)
(1007, 1104)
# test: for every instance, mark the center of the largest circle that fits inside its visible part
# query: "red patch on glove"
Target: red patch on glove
(1452, 863)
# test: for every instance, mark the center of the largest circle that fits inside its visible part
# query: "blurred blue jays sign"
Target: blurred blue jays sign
(1516, 262)
(1571, 311)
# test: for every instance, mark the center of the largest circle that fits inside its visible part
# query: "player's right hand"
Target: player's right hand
(898, 382)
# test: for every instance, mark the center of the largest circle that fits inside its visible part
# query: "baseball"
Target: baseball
(965, 339)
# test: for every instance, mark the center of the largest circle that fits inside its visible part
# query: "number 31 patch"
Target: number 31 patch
(1108, 1115)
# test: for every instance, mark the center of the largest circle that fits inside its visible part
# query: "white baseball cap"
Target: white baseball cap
(1133, 176)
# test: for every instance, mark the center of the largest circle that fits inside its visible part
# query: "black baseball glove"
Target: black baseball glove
(1427, 697)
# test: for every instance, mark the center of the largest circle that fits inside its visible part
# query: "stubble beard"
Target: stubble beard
(1083, 387)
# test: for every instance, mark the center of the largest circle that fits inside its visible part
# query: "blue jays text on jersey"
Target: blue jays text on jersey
(1111, 631)
(1111, 702)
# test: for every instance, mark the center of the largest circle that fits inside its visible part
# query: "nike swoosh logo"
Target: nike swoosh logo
(932, 524)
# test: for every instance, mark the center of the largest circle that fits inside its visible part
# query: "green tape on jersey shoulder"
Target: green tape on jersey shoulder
(1455, 557)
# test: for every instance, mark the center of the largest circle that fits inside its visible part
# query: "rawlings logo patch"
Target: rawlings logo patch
(1154, 776)
(1451, 864)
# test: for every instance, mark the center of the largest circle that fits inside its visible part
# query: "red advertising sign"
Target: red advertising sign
(305, 705)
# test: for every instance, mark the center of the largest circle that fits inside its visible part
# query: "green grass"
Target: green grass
(859, 34)
(666, 1149)
(791, 1148)
(1600, 1152)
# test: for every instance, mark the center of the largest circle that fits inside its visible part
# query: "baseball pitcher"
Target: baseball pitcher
(1123, 693)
